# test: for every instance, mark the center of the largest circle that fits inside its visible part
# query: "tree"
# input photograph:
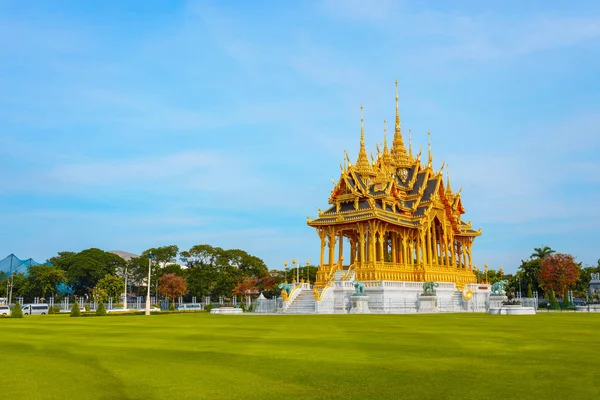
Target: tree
(75, 311)
(84, 269)
(558, 272)
(101, 310)
(42, 280)
(172, 286)
(247, 287)
(99, 295)
(529, 272)
(163, 255)
(585, 276)
(541, 252)
(113, 286)
(17, 311)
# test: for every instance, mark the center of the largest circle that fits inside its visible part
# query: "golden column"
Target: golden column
(361, 243)
(331, 247)
(435, 244)
(341, 250)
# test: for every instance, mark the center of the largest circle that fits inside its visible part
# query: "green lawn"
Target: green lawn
(200, 356)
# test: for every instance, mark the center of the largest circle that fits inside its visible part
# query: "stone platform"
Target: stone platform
(226, 310)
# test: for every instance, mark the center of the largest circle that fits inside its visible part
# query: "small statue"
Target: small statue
(429, 288)
(498, 288)
(285, 287)
(359, 288)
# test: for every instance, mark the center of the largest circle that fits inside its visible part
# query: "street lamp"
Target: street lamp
(286, 270)
(125, 294)
(485, 266)
(150, 258)
(519, 280)
(297, 271)
(307, 271)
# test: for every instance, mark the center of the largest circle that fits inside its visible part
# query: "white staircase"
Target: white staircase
(304, 303)
(339, 274)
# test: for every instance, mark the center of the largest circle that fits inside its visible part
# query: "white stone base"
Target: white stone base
(360, 305)
(588, 308)
(428, 304)
(512, 310)
(392, 297)
(226, 310)
(495, 301)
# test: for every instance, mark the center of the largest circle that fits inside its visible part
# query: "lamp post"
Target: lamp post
(286, 269)
(307, 271)
(519, 280)
(125, 293)
(150, 258)
(297, 271)
(485, 266)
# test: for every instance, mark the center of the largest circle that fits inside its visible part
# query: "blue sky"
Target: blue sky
(128, 125)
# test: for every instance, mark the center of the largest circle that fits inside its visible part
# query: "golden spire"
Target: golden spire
(448, 188)
(387, 157)
(430, 156)
(363, 166)
(399, 155)
(410, 142)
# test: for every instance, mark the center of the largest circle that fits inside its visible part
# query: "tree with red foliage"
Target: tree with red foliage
(558, 272)
(247, 287)
(172, 286)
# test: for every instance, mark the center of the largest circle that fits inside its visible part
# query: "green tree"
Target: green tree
(112, 285)
(43, 279)
(99, 295)
(541, 252)
(84, 269)
(163, 255)
(17, 311)
(529, 272)
(75, 312)
(101, 310)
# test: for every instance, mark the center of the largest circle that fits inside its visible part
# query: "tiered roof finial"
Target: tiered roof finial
(430, 156)
(387, 157)
(410, 142)
(363, 166)
(400, 157)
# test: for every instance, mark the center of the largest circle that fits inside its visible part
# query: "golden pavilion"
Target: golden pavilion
(402, 222)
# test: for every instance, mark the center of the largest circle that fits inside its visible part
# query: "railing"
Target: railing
(298, 287)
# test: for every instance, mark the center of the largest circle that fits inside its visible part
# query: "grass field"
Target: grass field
(200, 356)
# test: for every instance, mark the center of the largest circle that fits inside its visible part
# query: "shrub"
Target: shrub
(554, 305)
(251, 308)
(17, 311)
(87, 308)
(243, 307)
(101, 310)
(75, 310)
(56, 309)
(50, 310)
(172, 307)
(209, 307)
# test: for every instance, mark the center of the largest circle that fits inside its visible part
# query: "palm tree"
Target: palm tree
(541, 252)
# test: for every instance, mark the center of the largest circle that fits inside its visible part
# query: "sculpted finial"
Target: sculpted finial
(429, 154)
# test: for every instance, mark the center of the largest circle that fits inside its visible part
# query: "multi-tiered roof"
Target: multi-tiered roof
(395, 187)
